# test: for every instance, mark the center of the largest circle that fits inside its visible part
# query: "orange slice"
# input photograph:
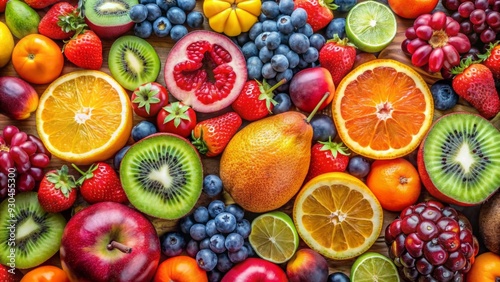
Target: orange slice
(337, 215)
(84, 117)
(382, 109)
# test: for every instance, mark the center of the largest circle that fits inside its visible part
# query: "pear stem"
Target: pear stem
(115, 245)
(308, 119)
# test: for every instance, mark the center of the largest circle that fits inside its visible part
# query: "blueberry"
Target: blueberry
(323, 128)
(206, 259)
(177, 32)
(306, 30)
(282, 49)
(273, 40)
(236, 210)
(166, 4)
(142, 130)
(293, 59)
(249, 49)
(311, 55)
(279, 63)
(200, 214)
(254, 31)
(186, 5)
(223, 263)
(270, 9)
(238, 256)
(176, 15)
(254, 68)
(358, 166)
(161, 26)
(242, 38)
(243, 227)
(265, 54)
(287, 75)
(210, 228)
(138, 13)
(250, 251)
(267, 71)
(225, 222)
(117, 159)
(214, 275)
(198, 232)
(192, 248)
(234, 242)
(186, 223)
(302, 64)
(212, 185)
(195, 19)
(144, 2)
(345, 5)
(205, 244)
(317, 41)
(284, 24)
(216, 207)
(286, 6)
(154, 12)
(269, 25)
(172, 244)
(338, 276)
(299, 17)
(284, 103)
(444, 96)
(299, 43)
(285, 38)
(143, 29)
(217, 243)
(336, 26)
(260, 41)
(262, 17)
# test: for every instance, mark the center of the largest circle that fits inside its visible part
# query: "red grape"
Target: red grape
(496, 6)
(410, 33)
(39, 145)
(422, 20)
(6, 162)
(456, 16)
(478, 28)
(477, 17)
(25, 183)
(493, 19)
(465, 9)
(40, 160)
(19, 155)
(460, 42)
(414, 44)
(421, 56)
(438, 21)
(487, 36)
(424, 32)
(37, 173)
(466, 27)
(481, 4)
(452, 28)
(404, 46)
(18, 139)
(2, 141)
(8, 132)
(436, 59)
(29, 147)
(451, 5)
(451, 55)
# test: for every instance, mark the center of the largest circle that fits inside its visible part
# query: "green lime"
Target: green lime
(371, 26)
(374, 267)
(274, 237)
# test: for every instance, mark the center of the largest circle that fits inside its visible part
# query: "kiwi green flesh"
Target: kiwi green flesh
(37, 235)
(462, 157)
(133, 61)
(108, 12)
(162, 176)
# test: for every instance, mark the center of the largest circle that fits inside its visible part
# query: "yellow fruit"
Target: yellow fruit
(265, 163)
(231, 17)
(84, 117)
(7, 44)
(337, 215)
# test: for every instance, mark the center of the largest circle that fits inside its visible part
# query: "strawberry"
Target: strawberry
(211, 136)
(475, 84)
(40, 4)
(84, 50)
(491, 59)
(101, 183)
(60, 21)
(8, 274)
(3, 3)
(326, 157)
(57, 191)
(319, 12)
(255, 100)
(337, 56)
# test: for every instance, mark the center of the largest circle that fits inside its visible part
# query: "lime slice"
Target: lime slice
(274, 237)
(374, 267)
(371, 26)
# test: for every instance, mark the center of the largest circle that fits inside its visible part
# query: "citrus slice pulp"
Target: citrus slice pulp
(382, 109)
(274, 237)
(374, 267)
(337, 215)
(371, 26)
(84, 117)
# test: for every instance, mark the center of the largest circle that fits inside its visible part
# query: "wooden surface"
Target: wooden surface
(162, 46)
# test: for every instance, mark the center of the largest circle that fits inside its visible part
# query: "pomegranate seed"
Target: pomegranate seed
(414, 245)
(431, 213)
(449, 240)
(398, 245)
(427, 230)
(410, 273)
(435, 253)
(456, 261)
(423, 266)
(407, 260)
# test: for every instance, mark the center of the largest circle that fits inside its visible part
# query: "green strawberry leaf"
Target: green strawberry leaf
(335, 148)
(177, 113)
(62, 180)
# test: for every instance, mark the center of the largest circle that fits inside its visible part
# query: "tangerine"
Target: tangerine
(411, 9)
(395, 183)
(486, 268)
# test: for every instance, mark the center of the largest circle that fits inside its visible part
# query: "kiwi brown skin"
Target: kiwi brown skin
(489, 223)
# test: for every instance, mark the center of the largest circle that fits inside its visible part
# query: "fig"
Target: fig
(205, 70)
(18, 99)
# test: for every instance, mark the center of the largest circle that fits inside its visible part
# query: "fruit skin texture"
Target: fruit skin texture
(148, 99)
(308, 86)
(212, 135)
(276, 146)
(8, 274)
(60, 21)
(21, 18)
(489, 221)
(486, 268)
(89, 249)
(46, 273)
(100, 184)
(180, 269)
(476, 85)
(84, 50)
(320, 12)
(57, 190)
(232, 18)
(413, 8)
(7, 44)
(37, 59)
(395, 183)
(338, 57)
(307, 266)
(327, 157)
(176, 118)
(492, 59)
(40, 4)
(255, 100)
(255, 270)
(18, 99)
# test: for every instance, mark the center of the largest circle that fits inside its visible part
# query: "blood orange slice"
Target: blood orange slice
(382, 109)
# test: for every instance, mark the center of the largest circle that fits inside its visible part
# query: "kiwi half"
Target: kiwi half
(34, 234)
(133, 61)
(108, 12)
(461, 155)
(162, 175)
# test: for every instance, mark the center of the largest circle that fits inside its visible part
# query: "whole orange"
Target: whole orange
(411, 9)
(486, 268)
(395, 183)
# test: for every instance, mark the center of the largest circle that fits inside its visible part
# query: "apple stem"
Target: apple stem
(308, 119)
(115, 245)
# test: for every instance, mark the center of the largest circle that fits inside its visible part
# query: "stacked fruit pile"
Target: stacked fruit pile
(212, 171)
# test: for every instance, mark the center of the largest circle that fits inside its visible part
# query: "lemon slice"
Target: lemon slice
(374, 267)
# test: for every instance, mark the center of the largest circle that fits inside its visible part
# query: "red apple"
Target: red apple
(308, 87)
(109, 241)
(255, 270)
(307, 265)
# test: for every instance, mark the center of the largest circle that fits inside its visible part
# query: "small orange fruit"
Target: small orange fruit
(411, 9)
(486, 268)
(395, 183)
